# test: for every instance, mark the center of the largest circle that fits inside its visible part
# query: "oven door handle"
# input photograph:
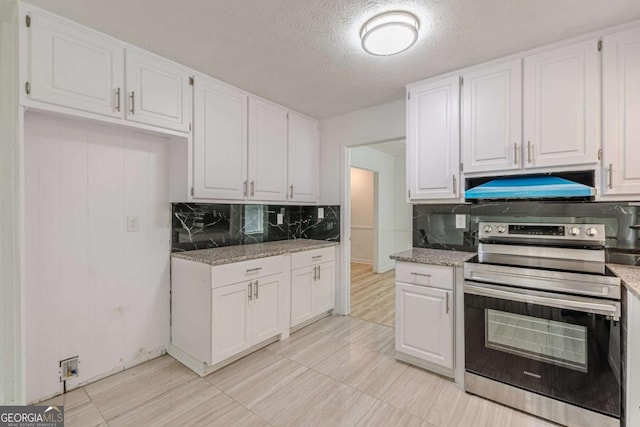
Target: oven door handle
(569, 302)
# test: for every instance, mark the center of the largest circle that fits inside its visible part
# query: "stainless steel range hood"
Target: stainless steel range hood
(530, 187)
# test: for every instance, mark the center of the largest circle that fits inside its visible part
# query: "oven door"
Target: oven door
(561, 346)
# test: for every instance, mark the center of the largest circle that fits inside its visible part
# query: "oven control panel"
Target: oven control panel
(571, 232)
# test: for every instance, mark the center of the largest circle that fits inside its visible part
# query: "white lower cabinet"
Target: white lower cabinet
(425, 316)
(312, 284)
(231, 307)
(632, 404)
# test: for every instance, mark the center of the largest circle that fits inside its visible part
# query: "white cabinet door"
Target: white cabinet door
(621, 112)
(74, 67)
(424, 323)
(158, 92)
(266, 308)
(302, 283)
(433, 149)
(323, 288)
(267, 151)
(219, 140)
(561, 106)
(492, 118)
(231, 320)
(632, 356)
(304, 156)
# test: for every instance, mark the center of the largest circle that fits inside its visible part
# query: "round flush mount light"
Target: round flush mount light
(389, 33)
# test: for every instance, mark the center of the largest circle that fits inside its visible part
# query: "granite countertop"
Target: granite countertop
(434, 256)
(629, 275)
(230, 254)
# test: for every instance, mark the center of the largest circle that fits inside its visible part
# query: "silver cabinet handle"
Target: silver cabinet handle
(315, 272)
(250, 291)
(118, 99)
(253, 270)
(132, 110)
(420, 274)
(316, 257)
(515, 153)
(455, 190)
(253, 188)
(244, 188)
(447, 302)
(610, 176)
(319, 273)
(529, 156)
(255, 289)
(291, 191)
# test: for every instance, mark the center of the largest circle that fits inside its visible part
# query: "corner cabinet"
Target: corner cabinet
(219, 140)
(304, 152)
(312, 285)
(425, 316)
(621, 112)
(561, 105)
(433, 140)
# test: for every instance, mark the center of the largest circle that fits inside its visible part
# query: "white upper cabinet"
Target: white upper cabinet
(492, 118)
(433, 146)
(304, 152)
(158, 91)
(267, 151)
(621, 112)
(74, 67)
(562, 106)
(219, 140)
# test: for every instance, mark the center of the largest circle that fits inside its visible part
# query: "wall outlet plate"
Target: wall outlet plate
(133, 223)
(279, 219)
(461, 221)
(320, 213)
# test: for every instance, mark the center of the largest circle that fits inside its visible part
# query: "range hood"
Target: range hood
(530, 187)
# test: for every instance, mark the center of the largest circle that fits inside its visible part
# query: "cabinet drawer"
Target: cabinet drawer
(315, 256)
(435, 276)
(227, 274)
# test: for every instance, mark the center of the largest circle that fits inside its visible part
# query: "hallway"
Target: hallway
(372, 294)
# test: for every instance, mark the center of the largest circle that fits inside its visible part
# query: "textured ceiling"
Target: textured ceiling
(306, 54)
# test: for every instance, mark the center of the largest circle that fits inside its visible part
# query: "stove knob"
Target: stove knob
(592, 232)
(487, 229)
(574, 231)
(501, 229)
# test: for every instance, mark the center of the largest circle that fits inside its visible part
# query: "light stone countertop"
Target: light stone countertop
(231, 254)
(629, 275)
(434, 256)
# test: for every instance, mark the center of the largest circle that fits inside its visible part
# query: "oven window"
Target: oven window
(554, 342)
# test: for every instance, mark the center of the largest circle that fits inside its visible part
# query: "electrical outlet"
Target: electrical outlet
(461, 221)
(279, 219)
(320, 213)
(133, 223)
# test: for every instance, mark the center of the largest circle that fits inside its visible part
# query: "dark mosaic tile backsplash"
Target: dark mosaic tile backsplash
(202, 226)
(434, 226)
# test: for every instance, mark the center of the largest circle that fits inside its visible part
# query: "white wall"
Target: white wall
(403, 212)
(362, 199)
(93, 289)
(10, 223)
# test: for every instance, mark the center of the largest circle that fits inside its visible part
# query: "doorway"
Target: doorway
(379, 225)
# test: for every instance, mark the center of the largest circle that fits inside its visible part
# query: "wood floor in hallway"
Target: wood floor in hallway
(373, 294)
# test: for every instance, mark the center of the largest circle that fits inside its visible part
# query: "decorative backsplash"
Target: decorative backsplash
(434, 226)
(202, 226)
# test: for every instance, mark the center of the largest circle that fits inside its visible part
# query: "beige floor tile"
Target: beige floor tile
(375, 337)
(83, 415)
(219, 410)
(133, 393)
(344, 406)
(242, 369)
(168, 406)
(327, 324)
(383, 415)
(309, 349)
(446, 404)
(265, 382)
(415, 391)
(294, 400)
(70, 400)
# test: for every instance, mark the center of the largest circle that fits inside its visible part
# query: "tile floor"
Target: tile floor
(340, 371)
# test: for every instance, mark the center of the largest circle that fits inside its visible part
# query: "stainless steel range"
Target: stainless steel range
(542, 315)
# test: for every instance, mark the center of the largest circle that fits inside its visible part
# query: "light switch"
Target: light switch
(461, 221)
(320, 213)
(279, 219)
(133, 223)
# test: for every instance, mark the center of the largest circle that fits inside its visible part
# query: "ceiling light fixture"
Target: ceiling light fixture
(389, 33)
